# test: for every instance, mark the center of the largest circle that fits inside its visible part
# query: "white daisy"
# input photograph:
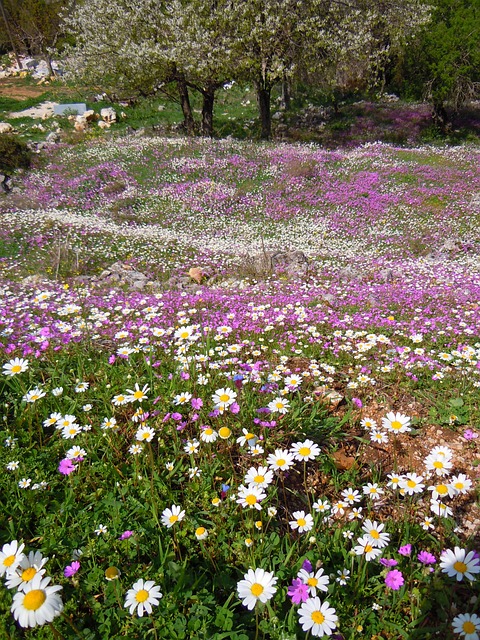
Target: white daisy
(320, 619)
(223, 398)
(208, 434)
(279, 405)
(314, 580)
(256, 585)
(396, 422)
(280, 460)
(137, 394)
(374, 532)
(304, 451)
(10, 557)
(411, 483)
(459, 564)
(15, 366)
(33, 395)
(27, 569)
(467, 625)
(302, 522)
(142, 596)
(38, 603)
(251, 497)
(145, 434)
(172, 515)
(260, 477)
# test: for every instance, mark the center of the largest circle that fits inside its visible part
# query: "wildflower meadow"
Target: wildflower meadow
(255, 452)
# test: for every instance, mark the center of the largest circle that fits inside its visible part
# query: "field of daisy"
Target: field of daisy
(241, 449)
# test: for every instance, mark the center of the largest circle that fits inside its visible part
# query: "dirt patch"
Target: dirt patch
(15, 88)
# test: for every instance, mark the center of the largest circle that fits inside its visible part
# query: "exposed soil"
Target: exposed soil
(15, 88)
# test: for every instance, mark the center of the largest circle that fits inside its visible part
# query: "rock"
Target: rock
(52, 138)
(90, 115)
(5, 183)
(80, 124)
(196, 274)
(122, 275)
(108, 115)
(6, 127)
(294, 263)
(103, 125)
(78, 108)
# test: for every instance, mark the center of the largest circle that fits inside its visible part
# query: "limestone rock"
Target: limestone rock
(108, 115)
(6, 127)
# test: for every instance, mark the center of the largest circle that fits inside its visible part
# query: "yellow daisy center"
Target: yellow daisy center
(280, 462)
(34, 599)
(374, 533)
(138, 394)
(249, 436)
(224, 432)
(208, 432)
(9, 560)
(396, 425)
(251, 499)
(468, 627)
(173, 519)
(458, 485)
(145, 435)
(279, 405)
(224, 397)
(200, 531)
(259, 479)
(112, 573)
(441, 489)
(438, 464)
(318, 617)
(301, 522)
(411, 484)
(368, 548)
(28, 574)
(16, 368)
(461, 567)
(256, 589)
(141, 595)
(304, 451)
(312, 582)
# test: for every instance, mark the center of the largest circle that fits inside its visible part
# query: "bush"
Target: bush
(14, 153)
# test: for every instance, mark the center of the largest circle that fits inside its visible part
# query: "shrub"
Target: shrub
(14, 153)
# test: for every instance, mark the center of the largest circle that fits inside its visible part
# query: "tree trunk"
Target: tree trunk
(185, 104)
(207, 111)
(263, 99)
(286, 96)
(440, 117)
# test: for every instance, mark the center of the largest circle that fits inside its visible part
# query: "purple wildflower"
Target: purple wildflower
(125, 535)
(394, 579)
(469, 434)
(406, 550)
(307, 565)
(388, 562)
(298, 591)
(426, 558)
(357, 402)
(66, 467)
(71, 569)
(197, 403)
